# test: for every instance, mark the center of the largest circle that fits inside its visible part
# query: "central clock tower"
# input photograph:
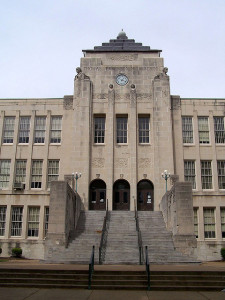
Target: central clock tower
(122, 125)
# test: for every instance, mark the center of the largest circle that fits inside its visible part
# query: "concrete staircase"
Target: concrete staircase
(159, 240)
(122, 239)
(88, 233)
(112, 280)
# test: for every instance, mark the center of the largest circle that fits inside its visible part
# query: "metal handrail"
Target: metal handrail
(104, 235)
(140, 244)
(91, 267)
(147, 266)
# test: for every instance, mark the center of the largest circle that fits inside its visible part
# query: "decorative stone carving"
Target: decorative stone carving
(162, 74)
(98, 162)
(144, 162)
(121, 162)
(100, 96)
(124, 57)
(122, 96)
(144, 97)
(68, 103)
(133, 97)
(80, 75)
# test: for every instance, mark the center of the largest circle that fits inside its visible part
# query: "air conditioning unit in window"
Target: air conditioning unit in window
(19, 186)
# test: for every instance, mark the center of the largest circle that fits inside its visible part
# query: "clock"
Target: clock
(121, 79)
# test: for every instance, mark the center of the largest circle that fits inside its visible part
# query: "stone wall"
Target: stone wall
(64, 211)
(177, 209)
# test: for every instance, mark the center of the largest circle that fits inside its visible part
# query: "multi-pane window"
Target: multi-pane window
(196, 222)
(222, 214)
(53, 170)
(221, 173)
(209, 223)
(4, 173)
(143, 127)
(121, 132)
(8, 130)
(39, 130)
(206, 174)
(36, 174)
(187, 130)
(24, 130)
(99, 130)
(56, 128)
(46, 220)
(16, 220)
(33, 221)
(219, 130)
(2, 220)
(189, 172)
(20, 171)
(203, 130)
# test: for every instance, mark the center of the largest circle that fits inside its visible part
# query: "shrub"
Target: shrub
(16, 252)
(222, 251)
(0, 250)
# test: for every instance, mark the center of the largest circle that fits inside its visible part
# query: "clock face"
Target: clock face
(121, 79)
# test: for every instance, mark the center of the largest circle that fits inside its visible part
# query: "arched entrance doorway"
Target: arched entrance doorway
(145, 195)
(97, 195)
(121, 195)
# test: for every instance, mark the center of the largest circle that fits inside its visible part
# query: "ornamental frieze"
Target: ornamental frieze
(124, 57)
(98, 162)
(121, 162)
(144, 162)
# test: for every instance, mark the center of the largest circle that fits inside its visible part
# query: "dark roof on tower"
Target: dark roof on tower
(122, 44)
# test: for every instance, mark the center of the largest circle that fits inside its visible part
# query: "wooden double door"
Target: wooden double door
(97, 195)
(145, 195)
(121, 195)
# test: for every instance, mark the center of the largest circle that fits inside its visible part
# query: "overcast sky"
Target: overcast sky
(41, 42)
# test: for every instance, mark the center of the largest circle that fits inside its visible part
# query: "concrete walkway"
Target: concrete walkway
(67, 294)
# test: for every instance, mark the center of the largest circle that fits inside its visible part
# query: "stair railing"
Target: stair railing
(91, 267)
(103, 241)
(140, 244)
(147, 266)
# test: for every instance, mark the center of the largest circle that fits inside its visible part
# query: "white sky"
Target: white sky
(41, 42)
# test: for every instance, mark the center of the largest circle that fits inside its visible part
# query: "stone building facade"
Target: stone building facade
(121, 129)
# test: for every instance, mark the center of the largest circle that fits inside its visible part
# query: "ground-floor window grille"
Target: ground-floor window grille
(33, 221)
(221, 173)
(189, 172)
(53, 171)
(16, 221)
(222, 214)
(206, 175)
(2, 220)
(36, 174)
(46, 221)
(4, 173)
(209, 222)
(196, 222)
(20, 171)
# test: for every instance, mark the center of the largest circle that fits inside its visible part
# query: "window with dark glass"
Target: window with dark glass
(16, 220)
(36, 174)
(33, 221)
(39, 130)
(206, 174)
(121, 132)
(187, 130)
(209, 222)
(219, 130)
(8, 130)
(189, 172)
(203, 130)
(143, 127)
(24, 130)
(221, 173)
(56, 128)
(99, 130)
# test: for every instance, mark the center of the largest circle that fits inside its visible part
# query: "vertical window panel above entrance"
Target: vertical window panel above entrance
(121, 129)
(99, 129)
(144, 129)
